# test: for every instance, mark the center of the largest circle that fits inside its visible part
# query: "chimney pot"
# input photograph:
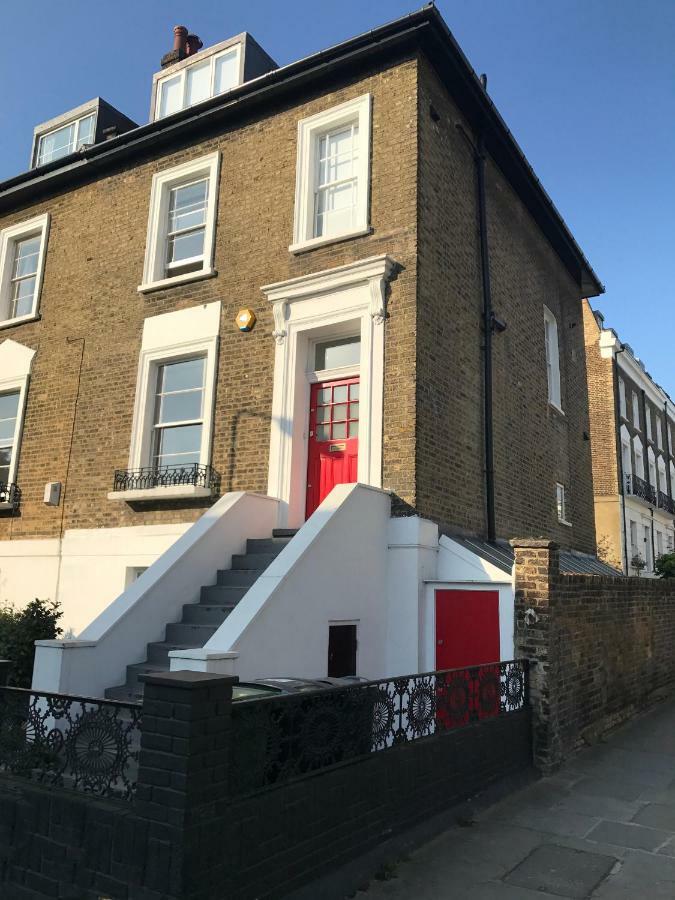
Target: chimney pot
(193, 45)
(180, 34)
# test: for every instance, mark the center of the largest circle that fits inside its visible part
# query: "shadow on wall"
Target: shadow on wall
(229, 477)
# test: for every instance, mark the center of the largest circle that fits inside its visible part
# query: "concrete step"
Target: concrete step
(189, 635)
(254, 561)
(144, 668)
(206, 613)
(238, 577)
(266, 545)
(227, 595)
(158, 651)
(124, 693)
(284, 532)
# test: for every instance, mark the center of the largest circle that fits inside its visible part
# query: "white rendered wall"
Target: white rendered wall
(28, 569)
(85, 571)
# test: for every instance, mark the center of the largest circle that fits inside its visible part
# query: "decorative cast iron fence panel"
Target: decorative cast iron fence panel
(277, 739)
(666, 503)
(166, 476)
(10, 496)
(72, 742)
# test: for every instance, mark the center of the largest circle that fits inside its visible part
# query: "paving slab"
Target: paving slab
(602, 828)
(562, 871)
(623, 834)
(657, 815)
(640, 876)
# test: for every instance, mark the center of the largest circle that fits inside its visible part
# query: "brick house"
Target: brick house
(333, 295)
(632, 430)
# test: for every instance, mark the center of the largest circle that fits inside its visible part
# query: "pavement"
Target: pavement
(602, 827)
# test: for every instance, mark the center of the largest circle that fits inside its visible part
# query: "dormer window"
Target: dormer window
(198, 81)
(83, 126)
(66, 139)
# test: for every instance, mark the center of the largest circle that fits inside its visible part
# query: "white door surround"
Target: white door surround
(347, 300)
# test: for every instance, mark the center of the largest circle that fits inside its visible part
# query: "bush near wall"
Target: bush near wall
(19, 629)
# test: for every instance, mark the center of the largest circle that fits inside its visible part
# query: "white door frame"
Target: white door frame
(344, 300)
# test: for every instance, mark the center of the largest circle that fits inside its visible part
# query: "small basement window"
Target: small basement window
(342, 645)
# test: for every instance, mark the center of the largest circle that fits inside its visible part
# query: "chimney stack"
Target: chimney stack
(184, 44)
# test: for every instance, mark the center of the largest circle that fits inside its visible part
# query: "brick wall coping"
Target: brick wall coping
(533, 544)
(186, 678)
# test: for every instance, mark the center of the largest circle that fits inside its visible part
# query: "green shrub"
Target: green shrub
(19, 629)
(665, 565)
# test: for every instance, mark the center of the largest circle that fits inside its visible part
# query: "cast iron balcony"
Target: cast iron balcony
(666, 503)
(638, 487)
(166, 477)
(10, 497)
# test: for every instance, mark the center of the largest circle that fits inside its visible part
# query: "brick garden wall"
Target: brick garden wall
(185, 837)
(600, 648)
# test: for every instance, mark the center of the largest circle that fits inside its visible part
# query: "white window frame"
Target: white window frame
(182, 75)
(552, 349)
(639, 457)
(636, 411)
(561, 504)
(76, 145)
(15, 366)
(659, 432)
(648, 420)
(9, 238)
(194, 332)
(154, 269)
(310, 130)
(623, 409)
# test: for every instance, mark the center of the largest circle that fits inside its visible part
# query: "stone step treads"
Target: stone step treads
(201, 620)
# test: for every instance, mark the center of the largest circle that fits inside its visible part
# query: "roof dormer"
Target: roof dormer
(87, 124)
(190, 75)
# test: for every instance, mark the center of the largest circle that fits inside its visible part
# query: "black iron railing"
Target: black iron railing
(638, 487)
(166, 476)
(666, 503)
(10, 496)
(72, 742)
(281, 738)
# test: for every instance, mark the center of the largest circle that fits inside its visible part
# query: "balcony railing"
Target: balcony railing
(166, 476)
(638, 487)
(665, 502)
(10, 497)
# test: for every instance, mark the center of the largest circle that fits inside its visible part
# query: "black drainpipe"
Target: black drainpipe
(622, 474)
(487, 346)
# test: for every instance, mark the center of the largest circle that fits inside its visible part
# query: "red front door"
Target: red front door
(333, 438)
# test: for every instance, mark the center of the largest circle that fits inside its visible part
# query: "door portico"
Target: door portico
(346, 301)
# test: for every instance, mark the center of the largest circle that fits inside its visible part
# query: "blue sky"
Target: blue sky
(586, 86)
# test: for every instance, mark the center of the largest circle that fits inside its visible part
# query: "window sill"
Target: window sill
(172, 492)
(311, 243)
(176, 280)
(556, 408)
(19, 320)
